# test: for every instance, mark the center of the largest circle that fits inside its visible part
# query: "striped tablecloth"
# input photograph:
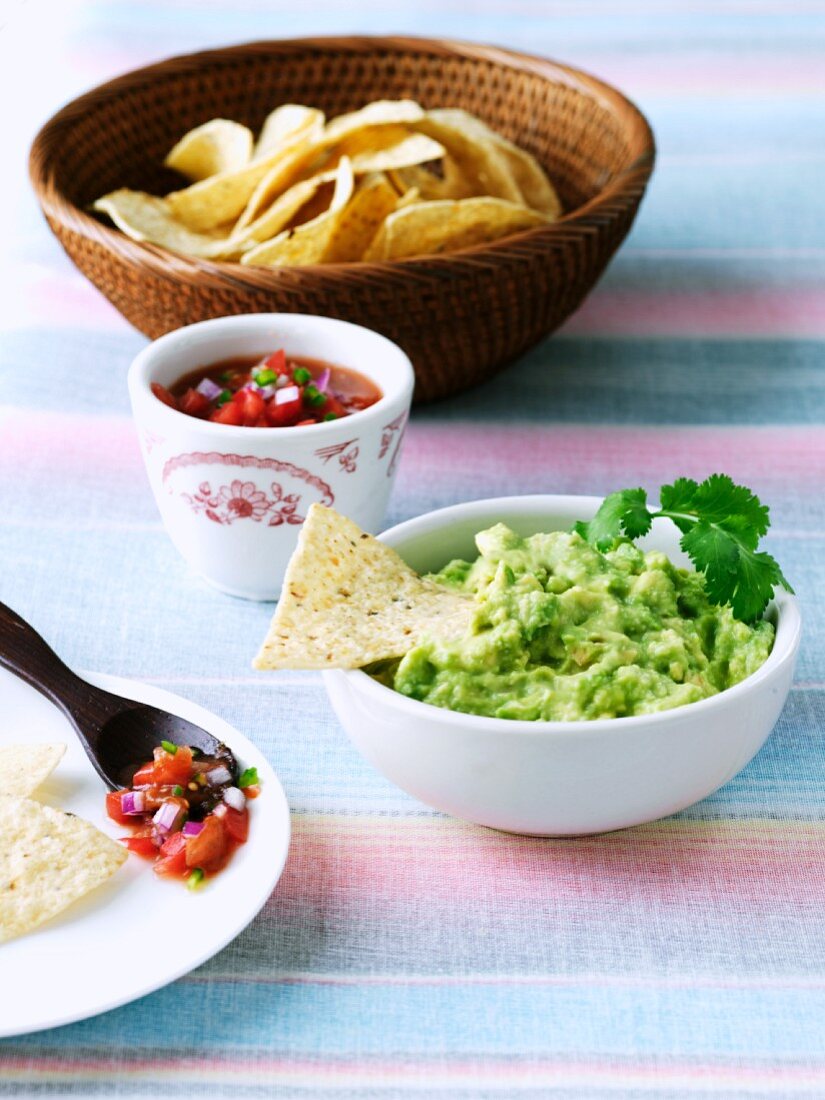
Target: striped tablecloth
(406, 953)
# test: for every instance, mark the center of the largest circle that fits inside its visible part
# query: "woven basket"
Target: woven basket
(460, 317)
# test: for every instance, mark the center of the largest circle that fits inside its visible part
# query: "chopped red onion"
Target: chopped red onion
(322, 381)
(220, 810)
(192, 828)
(133, 802)
(209, 389)
(282, 380)
(219, 775)
(268, 391)
(252, 386)
(288, 393)
(234, 798)
(166, 817)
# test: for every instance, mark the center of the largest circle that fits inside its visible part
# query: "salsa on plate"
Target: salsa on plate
(187, 811)
(273, 391)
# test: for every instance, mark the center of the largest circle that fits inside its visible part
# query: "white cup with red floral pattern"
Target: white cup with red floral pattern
(233, 498)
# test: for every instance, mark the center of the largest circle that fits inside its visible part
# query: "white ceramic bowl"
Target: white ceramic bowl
(558, 778)
(233, 499)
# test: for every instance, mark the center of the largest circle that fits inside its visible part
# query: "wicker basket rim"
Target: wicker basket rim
(630, 181)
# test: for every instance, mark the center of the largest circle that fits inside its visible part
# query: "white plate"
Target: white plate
(136, 932)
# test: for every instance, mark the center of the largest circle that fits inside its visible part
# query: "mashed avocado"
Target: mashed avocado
(562, 632)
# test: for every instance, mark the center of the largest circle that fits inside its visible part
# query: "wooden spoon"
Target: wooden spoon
(118, 734)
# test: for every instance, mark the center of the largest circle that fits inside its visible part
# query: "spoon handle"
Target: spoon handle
(23, 652)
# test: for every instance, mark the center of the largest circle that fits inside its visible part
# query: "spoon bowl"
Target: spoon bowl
(117, 735)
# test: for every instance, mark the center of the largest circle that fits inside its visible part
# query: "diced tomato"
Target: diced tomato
(279, 416)
(171, 768)
(210, 848)
(236, 823)
(251, 404)
(333, 405)
(229, 413)
(262, 422)
(145, 775)
(194, 403)
(140, 845)
(303, 423)
(276, 361)
(113, 809)
(172, 859)
(162, 394)
(252, 792)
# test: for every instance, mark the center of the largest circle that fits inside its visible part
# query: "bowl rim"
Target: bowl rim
(784, 605)
(628, 185)
(139, 376)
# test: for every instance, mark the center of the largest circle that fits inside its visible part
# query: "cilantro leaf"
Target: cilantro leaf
(721, 524)
(608, 524)
(636, 518)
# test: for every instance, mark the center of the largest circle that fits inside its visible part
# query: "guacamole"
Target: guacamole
(562, 632)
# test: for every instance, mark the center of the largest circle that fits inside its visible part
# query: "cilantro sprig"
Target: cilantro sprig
(721, 525)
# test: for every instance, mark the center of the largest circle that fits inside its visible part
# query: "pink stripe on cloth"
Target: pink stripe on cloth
(586, 458)
(81, 447)
(798, 314)
(460, 1073)
(762, 864)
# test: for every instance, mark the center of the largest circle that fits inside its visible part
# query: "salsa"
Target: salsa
(270, 391)
(187, 811)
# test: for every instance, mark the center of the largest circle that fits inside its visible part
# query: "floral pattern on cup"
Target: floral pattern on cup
(346, 453)
(272, 503)
(244, 500)
(393, 431)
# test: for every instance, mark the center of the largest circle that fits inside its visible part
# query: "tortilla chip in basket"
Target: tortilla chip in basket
(349, 600)
(219, 145)
(430, 228)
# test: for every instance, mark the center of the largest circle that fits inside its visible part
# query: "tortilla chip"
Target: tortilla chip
(309, 242)
(286, 123)
(217, 146)
(537, 190)
(381, 148)
(449, 184)
(349, 600)
(286, 209)
(283, 172)
(480, 161)
(430, 228)
(381, 112)
(147, 218)
(220, 199)
(361, 219)
(24, 767)
(48, 860)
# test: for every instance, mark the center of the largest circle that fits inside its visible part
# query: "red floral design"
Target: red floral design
(393, 431)
(245, 500)
(152, 440)
(346, 453)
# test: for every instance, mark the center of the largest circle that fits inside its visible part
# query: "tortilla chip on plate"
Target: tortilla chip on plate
(48, 860)
(309, 242)
(430, 228)
(147, 218)
(219, 145)
(24, 767)
(349, 600)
